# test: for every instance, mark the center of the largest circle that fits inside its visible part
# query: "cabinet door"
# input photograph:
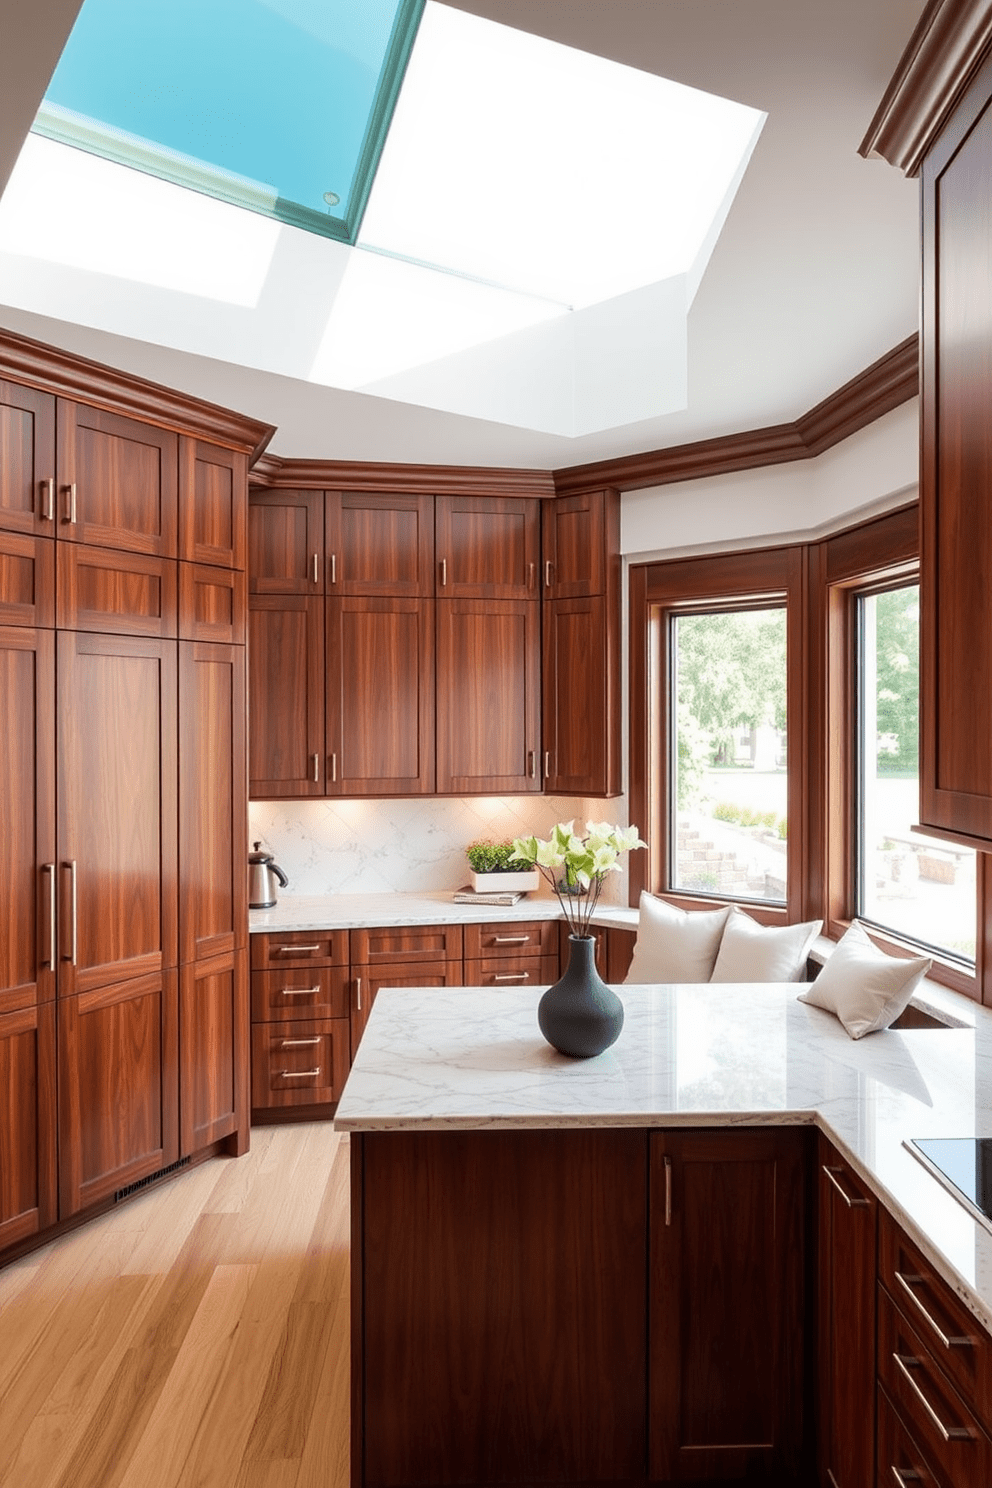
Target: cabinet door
(488, 547)
(116, 593)
(213, 504)
(27, 460)
(379, 697)
(27, 818)
(213, 1050)
(118, 1088)
(286, 542)
(726, 1310)
(27, 580)
(27, 1128)
(581, 537)
(213, 794)
(847, 1219)
(581, 698)
(956, 473)
(117, 481)
(379, 545)
(213, 604)
(286, 696)
(488, 697)
(117, 808)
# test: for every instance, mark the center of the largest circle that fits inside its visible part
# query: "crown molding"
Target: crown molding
(67, 375)
(411, 480)
(886, 384)
(943, 52)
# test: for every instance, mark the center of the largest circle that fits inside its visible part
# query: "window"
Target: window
(920, 887)
(728, 819)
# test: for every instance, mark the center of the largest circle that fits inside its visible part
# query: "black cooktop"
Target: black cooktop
(964, 1166)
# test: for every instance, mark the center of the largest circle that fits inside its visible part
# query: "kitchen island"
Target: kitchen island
(595, 1271)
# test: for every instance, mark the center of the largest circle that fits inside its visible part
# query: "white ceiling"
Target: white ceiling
(814, 276)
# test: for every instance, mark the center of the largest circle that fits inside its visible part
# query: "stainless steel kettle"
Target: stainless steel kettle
(262, 876)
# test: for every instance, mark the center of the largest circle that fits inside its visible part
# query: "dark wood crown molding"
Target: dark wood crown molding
(886, 384)
(68, 375)
(411, 480)
(943, 52)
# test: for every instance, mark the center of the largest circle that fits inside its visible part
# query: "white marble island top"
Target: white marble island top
(713, 1055)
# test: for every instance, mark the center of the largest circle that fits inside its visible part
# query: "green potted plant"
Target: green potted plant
(492, 870)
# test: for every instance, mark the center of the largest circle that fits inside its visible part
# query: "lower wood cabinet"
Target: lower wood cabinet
(727, 1320)
(847, 1225)
(118, 1087)
(213, 1051)
(299, 1064)
(28, 1196)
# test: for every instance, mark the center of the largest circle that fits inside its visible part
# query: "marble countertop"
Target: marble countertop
(712, 1055)
(357, 911)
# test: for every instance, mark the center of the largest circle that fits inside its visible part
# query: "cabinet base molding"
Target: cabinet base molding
(281, 1116)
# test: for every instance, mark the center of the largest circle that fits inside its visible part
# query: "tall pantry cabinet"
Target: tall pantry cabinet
(123, 947)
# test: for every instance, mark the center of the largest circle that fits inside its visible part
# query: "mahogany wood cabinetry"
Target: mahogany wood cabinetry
(956, 471)
(123, 978)
(517, 954)
(591, 1324)
(300, 1035)
(847, 1224)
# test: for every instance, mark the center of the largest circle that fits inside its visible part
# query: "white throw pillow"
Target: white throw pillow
(750, 952)
(675, 945)
(862, 986)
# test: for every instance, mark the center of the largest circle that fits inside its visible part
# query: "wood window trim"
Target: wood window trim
(658, 590)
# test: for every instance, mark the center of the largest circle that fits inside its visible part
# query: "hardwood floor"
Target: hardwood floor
(196, 1337)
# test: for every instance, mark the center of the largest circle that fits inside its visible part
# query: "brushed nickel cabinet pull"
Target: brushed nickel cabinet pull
(668, 1190)
(904, 1282)
(306, 1043)
(315, 568)
(903, 1476)
(358, 993)
(299, 1074)
(316, 768)
(334, 768)
(73, 906)
(532, 763)
(70, 509)
(833, 1481)
(547, 764)
(531, 571)
(510, 939)
(851, 1203)
(294, 950)
(511, 976)
(49, 868)
(334, 568)
(299, 991)
(48, 499)
(444, 570)
(948, 1433)
(547, 573)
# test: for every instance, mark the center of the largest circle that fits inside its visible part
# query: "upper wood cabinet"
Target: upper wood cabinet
(581, 540)
(117, 481)
(379, 697)
(286, 542)
(488, 697)
(213, 500)
(487, 547)
(116, 593)
(27, 459)
(582, 697)
(379, 545)
(286, 695)
(27, 580)
(956, 472)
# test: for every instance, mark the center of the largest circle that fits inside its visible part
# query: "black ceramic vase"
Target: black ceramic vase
(580, 1015)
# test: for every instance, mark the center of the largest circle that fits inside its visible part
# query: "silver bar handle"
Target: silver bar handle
(547, 573)
(532, 763)
(511, 976)
(444, 571)
(851, 1203)
(531, 572)
(305, 1043)
(315, 568)
(73, 906)
(334, 568)
(668, 1190)
(904, 1282)
(833, 1481)
(48, 499)
(52, 961)
(334, 768)
(903, 1476)
(299, 991)
(547, 764)
(294, 949)
(70, 510)
(510, 939)
(316, 768)
(358, 993)
(948, 1433)
(299, 1074)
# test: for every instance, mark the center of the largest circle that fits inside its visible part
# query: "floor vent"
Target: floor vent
(123, 1193)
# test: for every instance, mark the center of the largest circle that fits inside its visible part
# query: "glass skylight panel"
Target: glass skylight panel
(277, 105)
(549, 171)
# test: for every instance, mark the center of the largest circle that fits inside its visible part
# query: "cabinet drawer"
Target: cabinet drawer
(899, 1459)
(299, 992)
(511, 971)
(930, 1407)
(395, 943)
(949, 1330)
(27, 580)
(527, 937)
(299, 948)
(298, 1064)
(120, 593)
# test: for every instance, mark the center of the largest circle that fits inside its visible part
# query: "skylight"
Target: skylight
(277, 105)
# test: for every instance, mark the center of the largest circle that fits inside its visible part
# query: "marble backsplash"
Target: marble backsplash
(408, 845)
